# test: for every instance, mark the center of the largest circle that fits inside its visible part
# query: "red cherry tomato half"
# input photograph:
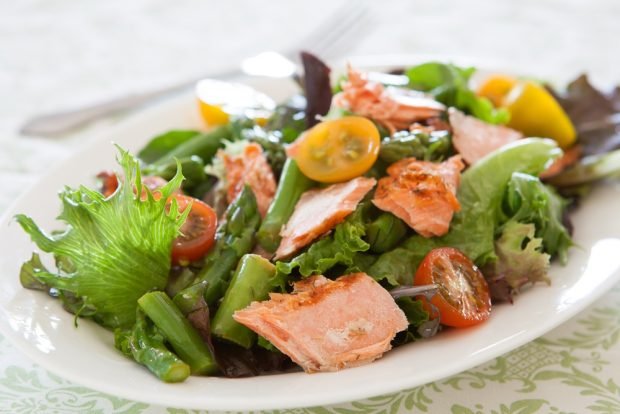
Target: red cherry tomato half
(108, 183)
(463, 297)
(198, 231)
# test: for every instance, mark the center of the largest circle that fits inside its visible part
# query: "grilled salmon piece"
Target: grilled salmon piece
(327, 325)
(251, 168)
(421, 193)
(320, 210)
(395, 108)
(474, 139)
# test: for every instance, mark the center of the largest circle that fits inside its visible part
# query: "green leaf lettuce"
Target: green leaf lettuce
(339, 248)
(520, 260)
(528, 200)
(113, 250)
(449, 84)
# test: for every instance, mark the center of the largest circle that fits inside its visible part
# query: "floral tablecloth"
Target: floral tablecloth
(60, 53)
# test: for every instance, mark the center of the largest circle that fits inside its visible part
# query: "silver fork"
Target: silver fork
(329, 39)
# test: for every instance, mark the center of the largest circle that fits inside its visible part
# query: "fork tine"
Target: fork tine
(341, 20)
(342, 41)
(341, 32)
(331, 29)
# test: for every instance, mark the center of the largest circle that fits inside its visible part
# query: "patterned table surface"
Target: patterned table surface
(55, 54)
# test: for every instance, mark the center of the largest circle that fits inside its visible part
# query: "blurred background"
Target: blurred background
(58, 54)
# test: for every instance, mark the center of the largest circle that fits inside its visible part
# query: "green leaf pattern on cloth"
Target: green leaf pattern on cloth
(571, 370)
(34, 390)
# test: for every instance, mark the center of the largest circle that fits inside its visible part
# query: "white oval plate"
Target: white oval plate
(38, 326)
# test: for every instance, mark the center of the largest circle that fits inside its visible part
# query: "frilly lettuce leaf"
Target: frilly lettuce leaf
(528, 200)
(339, 248)
(520, 260)
(113, 250)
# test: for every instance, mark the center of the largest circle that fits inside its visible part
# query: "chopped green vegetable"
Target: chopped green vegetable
(191, 298)
(234, 238)
(177, 330)
(114, 249)
(254, 278)
(449, 84)
(265, 344)
(145, 344)
(289, 119)
(293, 183)
(203, 145)
(192, 305)
(164, 143)
(193, 170)
(434, 146)
(180, 278)
(385, 232)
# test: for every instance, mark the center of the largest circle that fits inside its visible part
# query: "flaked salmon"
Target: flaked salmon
(474, 139)
(421, 193)
(251, 168)
(320, 210)
(395, 108)
(327, 325)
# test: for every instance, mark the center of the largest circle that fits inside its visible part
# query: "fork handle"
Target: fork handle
(54, 124)
(58, 123)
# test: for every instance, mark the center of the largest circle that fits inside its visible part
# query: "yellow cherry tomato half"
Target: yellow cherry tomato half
(219, 100)
(536, 113)
(338, 150)
(213, 115)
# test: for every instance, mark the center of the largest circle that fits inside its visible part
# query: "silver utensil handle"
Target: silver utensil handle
(54, 124)
(59, 122)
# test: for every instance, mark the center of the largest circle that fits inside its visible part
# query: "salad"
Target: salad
(365, 213)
